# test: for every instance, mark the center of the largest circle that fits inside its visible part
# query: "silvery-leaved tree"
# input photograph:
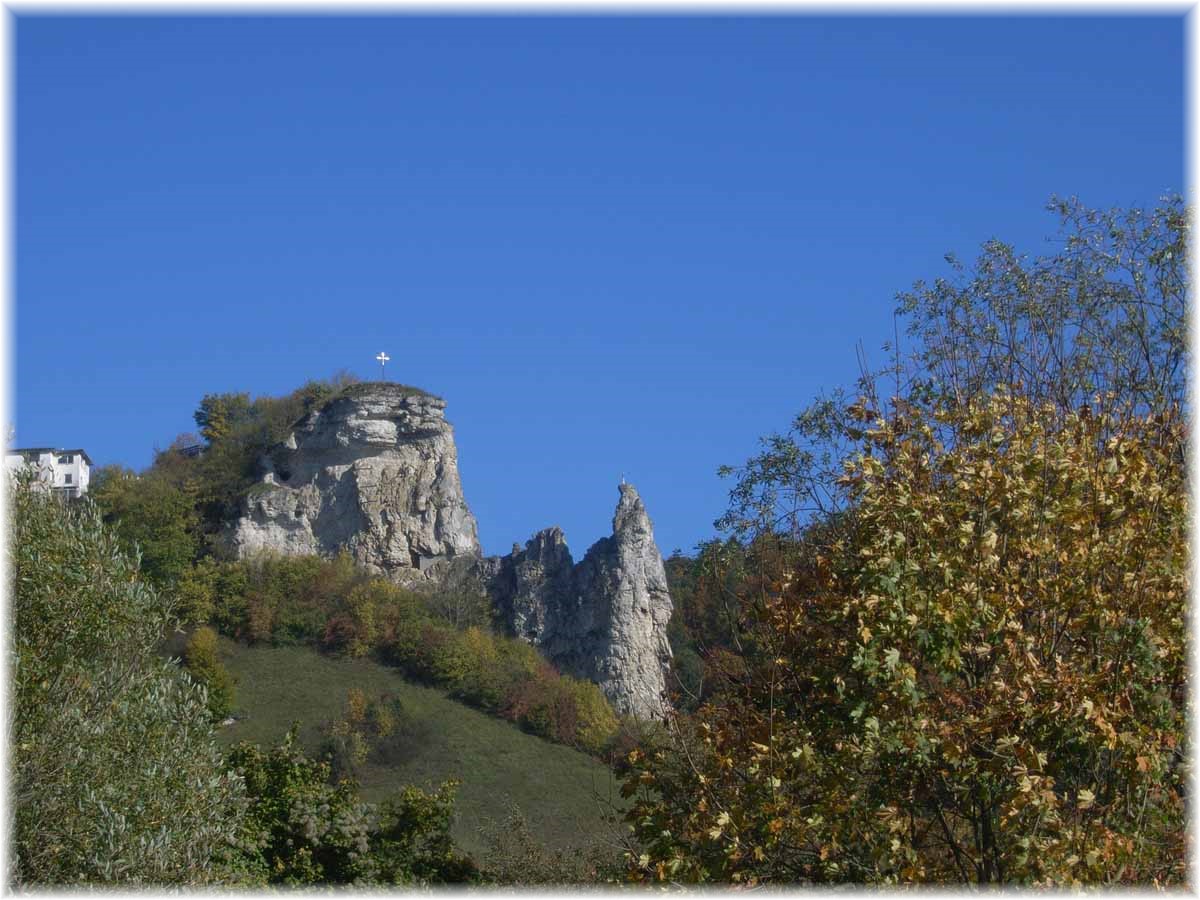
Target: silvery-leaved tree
(114, 775)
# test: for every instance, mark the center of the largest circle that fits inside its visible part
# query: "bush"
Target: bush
(230, 587)
(515, 857)
(449, 656)
(596, 722)
(304, 830)
(196, 592)
(363, 616)
(481, 684)
(204, 665)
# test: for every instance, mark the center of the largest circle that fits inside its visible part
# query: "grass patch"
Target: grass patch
(562, 792)
(363, 387)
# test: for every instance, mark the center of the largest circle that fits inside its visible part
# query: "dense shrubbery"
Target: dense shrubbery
(302, 828)
(331, 605)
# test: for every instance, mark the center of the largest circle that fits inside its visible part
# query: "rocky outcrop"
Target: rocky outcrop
(374, 472)
(604, 619)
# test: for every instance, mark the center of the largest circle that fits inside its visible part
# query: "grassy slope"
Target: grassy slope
(562, 792)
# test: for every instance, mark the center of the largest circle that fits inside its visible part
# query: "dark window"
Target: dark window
(65, 459)
(67, 478)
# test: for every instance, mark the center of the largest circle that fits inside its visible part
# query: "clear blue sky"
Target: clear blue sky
(612, 244)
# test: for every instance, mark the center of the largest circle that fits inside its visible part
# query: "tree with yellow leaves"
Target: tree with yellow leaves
(981, 680)
(962, 637)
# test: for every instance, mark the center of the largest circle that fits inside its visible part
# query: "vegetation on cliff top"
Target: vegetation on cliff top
(356, 389)
(175, 511)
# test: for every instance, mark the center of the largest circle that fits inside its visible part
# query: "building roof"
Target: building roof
(35, 452)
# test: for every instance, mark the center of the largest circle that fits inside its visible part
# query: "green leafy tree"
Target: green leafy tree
(303, 829)
(306, 831)
(411, 843)
(154, 516)
(114, 776)
(218, 415)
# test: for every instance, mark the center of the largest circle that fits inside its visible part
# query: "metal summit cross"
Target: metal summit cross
(383, 360)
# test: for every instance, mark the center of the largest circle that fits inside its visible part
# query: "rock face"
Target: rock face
(605, 619)
(373, 472)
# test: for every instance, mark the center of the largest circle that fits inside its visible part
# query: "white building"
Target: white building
(66, 471)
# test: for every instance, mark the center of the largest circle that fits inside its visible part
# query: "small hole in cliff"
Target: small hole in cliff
(416, 560)
(283, 474)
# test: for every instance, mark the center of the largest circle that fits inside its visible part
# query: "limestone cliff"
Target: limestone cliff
(605, 619)
(373, 472)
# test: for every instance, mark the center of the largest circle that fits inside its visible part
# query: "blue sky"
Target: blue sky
(614, 245)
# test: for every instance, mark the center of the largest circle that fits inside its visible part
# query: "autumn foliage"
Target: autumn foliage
(980, 677)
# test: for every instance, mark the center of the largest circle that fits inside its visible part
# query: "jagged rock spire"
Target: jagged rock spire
(625, 576)
(604, 619)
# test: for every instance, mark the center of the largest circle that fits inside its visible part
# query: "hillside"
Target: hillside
(563, 793)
